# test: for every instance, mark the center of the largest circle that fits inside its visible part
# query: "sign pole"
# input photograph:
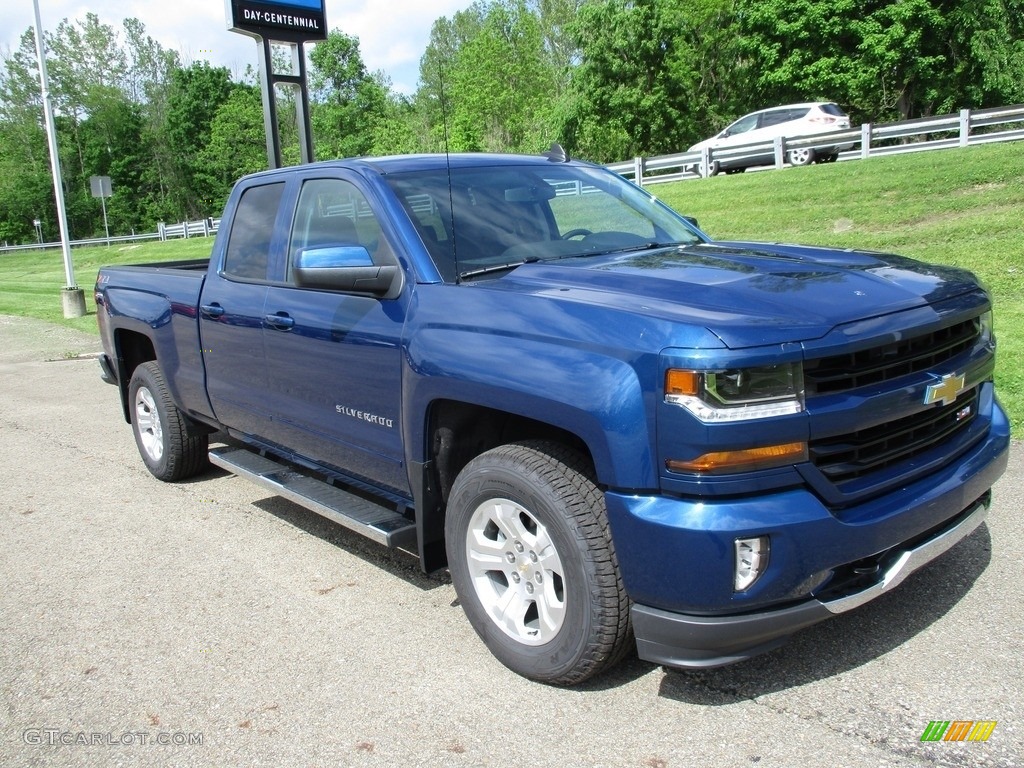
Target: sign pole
(286, 22)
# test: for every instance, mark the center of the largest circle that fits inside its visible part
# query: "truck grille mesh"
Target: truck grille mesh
(847, 457)
(840, 373)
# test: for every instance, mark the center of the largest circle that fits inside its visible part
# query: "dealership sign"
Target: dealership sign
(278, 19)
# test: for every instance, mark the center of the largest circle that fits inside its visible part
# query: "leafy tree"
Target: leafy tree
(26, 187)
(488, 81)
(887, 58)
(196, 94)
(353, 110)
(653, 75)
(237, 144)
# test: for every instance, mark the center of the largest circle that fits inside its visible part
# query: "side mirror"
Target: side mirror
(345, 268)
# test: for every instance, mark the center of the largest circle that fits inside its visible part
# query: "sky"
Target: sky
(393, 34)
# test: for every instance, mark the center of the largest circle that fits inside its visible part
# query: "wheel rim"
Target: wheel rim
(799, 156)
(516, 571)
(147, 420)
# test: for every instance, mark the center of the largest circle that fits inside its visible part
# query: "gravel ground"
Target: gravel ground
(244, 630)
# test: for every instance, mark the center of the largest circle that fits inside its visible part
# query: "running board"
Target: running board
(374, 521)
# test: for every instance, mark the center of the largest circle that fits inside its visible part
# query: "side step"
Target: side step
(374, 521)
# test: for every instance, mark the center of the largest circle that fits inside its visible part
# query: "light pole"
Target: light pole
(72, 297)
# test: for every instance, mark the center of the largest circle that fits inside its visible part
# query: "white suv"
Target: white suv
(788, 121)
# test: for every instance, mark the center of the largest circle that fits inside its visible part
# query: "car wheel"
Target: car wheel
(171, 447)
(800, 156)
(829, 158)
(533, 564)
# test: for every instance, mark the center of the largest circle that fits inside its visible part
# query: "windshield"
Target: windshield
(492, 219)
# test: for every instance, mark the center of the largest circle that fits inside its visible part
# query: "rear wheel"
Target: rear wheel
(804, 156)
(532, 561)
(171, 447)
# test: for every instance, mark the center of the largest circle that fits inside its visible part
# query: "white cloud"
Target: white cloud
(392, 34)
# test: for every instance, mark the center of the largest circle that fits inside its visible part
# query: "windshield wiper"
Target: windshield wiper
(497, 267)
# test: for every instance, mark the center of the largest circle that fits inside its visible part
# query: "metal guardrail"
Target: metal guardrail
(204, 228)
(941, 132)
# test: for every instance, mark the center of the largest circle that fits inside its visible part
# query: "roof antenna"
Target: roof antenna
(448, 166)
(556, 154)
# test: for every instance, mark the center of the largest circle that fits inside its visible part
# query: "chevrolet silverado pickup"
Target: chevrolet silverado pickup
(614, 432)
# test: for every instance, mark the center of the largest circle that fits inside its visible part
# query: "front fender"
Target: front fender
(589, 393)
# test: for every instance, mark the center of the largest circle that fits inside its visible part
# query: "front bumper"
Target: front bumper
(676, 555)
(678, 640)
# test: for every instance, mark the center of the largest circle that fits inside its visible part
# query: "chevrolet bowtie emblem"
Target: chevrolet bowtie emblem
(945, 390)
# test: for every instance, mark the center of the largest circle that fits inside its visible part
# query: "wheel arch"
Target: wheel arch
(132, 350)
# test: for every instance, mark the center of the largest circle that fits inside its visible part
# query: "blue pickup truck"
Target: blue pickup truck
(613, 431)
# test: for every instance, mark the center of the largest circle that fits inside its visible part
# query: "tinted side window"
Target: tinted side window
(248, 251)
(832, 109)
(775, 117)
(796, 114)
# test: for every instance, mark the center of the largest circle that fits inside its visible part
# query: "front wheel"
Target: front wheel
(533, 564)
(170, 445)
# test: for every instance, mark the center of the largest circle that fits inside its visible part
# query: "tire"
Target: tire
(533, 564)
(830, 158)
(171, 447)
(800, 156)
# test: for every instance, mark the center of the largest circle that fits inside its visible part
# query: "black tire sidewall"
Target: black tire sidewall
(143, 377)
(551, 661)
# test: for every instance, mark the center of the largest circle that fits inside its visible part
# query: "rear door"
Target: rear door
(231, 311)
(334, 359)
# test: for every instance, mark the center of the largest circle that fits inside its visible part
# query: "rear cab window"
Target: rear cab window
(248, 251)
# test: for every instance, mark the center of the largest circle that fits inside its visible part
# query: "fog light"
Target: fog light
(751, 561)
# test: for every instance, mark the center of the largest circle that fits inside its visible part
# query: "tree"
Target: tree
(196, 94)
(653, 75)
(487, 81)
(26, 187)
(237, 143)
(353, 110)
(887, 58)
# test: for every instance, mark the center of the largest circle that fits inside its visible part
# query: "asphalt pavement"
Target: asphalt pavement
(209, 623)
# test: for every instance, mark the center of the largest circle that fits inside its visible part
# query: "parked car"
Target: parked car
(765, 126)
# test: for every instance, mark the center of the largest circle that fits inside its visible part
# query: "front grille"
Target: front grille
(848, 457)
(840, 373)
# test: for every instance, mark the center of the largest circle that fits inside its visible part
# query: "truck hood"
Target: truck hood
(747, 294)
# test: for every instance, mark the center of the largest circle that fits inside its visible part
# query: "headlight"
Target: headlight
(737, 394)
(985, 326)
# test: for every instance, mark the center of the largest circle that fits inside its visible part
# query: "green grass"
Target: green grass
(31, 281)
(963, 207)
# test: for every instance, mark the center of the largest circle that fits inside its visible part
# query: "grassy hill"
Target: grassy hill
(963, 207)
